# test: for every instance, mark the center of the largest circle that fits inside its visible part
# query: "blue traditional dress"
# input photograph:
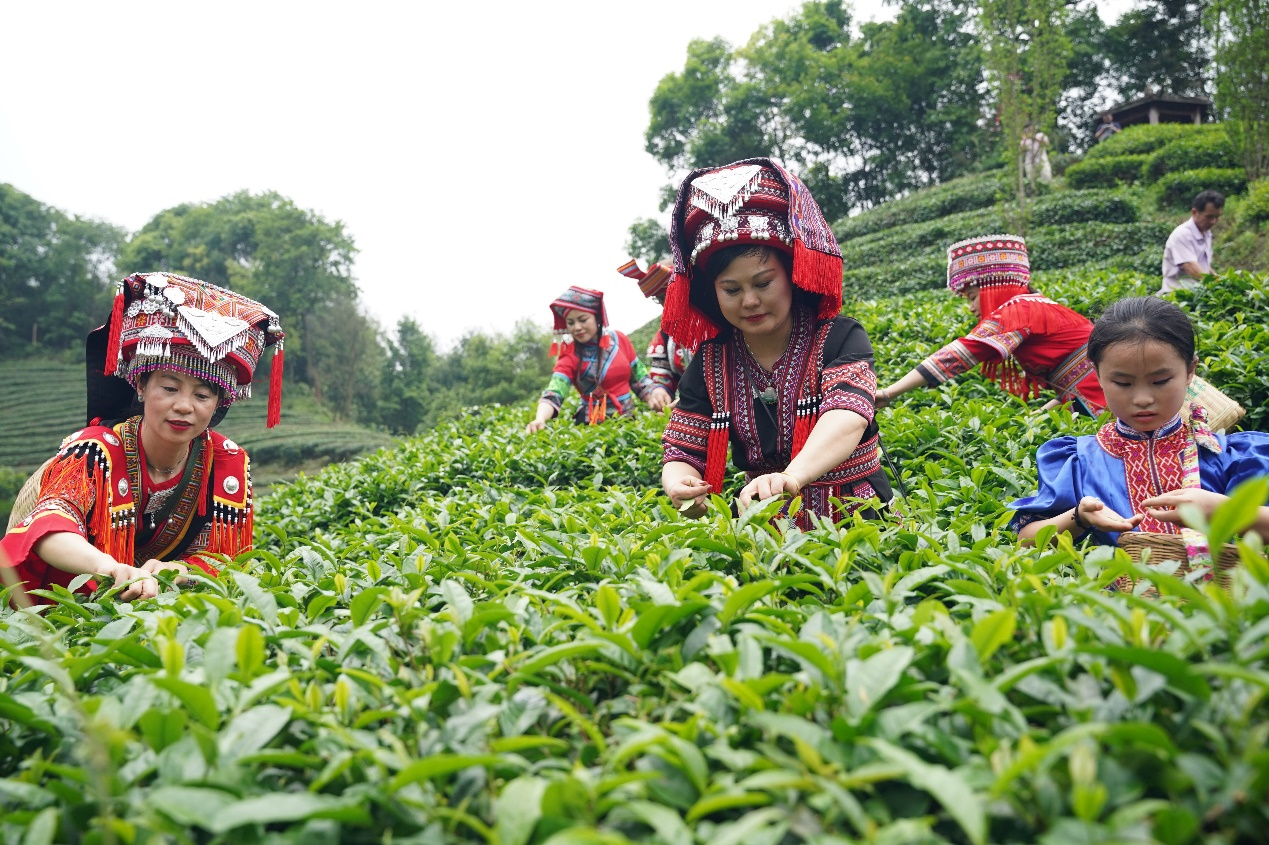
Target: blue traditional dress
(1123, 467)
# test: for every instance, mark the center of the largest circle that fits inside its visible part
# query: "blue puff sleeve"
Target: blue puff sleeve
(1057, 461)
(1247, 457)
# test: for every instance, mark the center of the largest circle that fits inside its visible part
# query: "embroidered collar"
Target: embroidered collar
(1128, 432)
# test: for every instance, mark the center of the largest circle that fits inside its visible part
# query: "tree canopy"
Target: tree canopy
(56, 274)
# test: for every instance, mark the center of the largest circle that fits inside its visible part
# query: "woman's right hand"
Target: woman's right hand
(689, 494)
(536, 425)
(143, 586)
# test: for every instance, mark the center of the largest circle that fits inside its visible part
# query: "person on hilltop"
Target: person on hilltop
(598, 360)
(667, 359)
(1157, 455)
(1187, 256)
(779, 375)
(1024, 341)
(149, 486)
(1108, 128)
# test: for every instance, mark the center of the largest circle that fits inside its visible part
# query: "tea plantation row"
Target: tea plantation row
(482, 636)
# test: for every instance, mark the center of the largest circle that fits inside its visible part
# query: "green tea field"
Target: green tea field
(486, 637)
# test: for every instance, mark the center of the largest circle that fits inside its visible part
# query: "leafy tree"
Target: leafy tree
(915, 105)
(1087, 88)
(648, 241)
(56, 274)
(1027, 51)
(701, 116)
(860, 120)
(1161, 45)
(346, 344)
(261, 245)
(409, 378)
(1241, 30)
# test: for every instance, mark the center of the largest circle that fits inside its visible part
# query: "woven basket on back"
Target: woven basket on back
(1222, 412)
(25, 501)
(1171, 547)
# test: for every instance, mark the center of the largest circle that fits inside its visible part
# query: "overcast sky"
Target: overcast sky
(482, 155)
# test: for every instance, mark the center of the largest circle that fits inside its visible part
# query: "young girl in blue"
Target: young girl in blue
(1158, 452)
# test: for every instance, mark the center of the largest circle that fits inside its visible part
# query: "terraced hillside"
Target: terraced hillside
(1113, 210)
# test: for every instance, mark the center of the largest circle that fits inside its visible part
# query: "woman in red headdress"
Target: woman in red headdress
(148, 485)
(598, 360)
(779, 375)
(1023, 340)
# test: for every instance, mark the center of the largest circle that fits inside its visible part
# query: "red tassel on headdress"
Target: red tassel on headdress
(680, 320)
(114, 331)
(820, 273)
(274, 415)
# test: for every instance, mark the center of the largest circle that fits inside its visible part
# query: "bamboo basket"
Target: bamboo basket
(24, 503)
(1171, 547)
(1222, 412)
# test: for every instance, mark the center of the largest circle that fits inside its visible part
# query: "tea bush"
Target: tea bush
(1177, 190)
(1105, 172)
(492, 637)
(1093, 206)
(933, 237)
(1145, 138)
(1135, 247)
(1208, 149)
(1256, 206)
(967, 193)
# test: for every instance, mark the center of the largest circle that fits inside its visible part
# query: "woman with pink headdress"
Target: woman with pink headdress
(597, 360)
(1023, 340)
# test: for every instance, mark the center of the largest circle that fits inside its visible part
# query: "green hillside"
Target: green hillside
(1113, 210)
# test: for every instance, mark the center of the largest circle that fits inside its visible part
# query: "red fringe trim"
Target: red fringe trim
(802, 427)
(819, 273)
(716, 456)
(1012, 378)
(70, 478)
(114, 331)
(274, 415)
(231, 536)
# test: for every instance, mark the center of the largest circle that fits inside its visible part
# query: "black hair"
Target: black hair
(1138, 320)
(1208, 197)
(705, 298)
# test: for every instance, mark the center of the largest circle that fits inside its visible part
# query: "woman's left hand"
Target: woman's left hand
(1164, 507)
(659, 399)
(766, 486)
(156, 566)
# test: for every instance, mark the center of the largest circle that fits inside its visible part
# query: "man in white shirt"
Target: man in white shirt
(1187, 257)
